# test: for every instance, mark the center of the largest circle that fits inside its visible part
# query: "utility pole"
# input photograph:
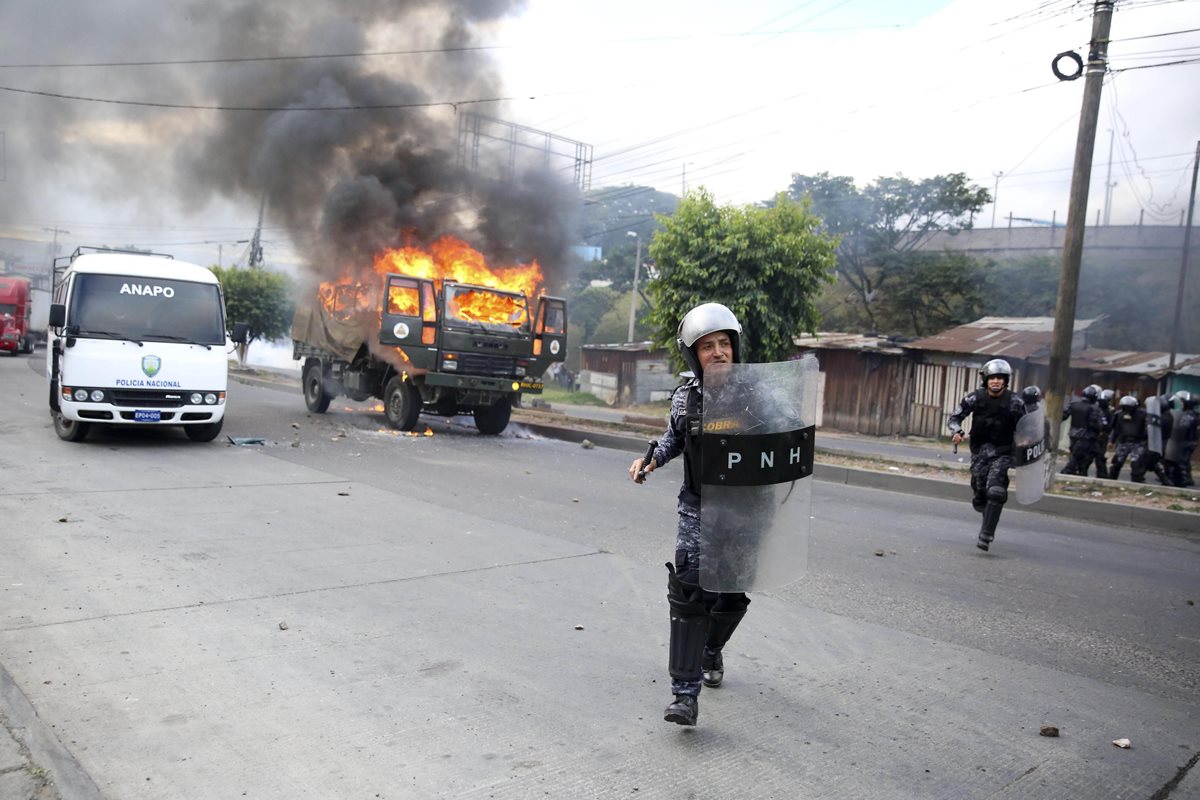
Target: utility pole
(1068, 282)
(637, 265)
(1108, 184)
(53, 250)
(996, 196)
(1187, 244)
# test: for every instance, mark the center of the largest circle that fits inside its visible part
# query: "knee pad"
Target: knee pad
(997, 495)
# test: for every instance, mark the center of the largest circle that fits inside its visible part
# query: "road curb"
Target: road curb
(1128, 516)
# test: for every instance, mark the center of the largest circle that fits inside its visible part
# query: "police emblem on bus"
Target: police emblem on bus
(151, 365)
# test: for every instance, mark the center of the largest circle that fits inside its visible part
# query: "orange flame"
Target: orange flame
(449, 259)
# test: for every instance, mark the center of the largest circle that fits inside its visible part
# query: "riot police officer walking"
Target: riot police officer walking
(1129, 434)
(1181, 443)
(702, 622)
(1086, 425)
(995, 411)
(1100, 445)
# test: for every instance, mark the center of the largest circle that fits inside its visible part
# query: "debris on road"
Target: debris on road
(1049, 730)
(1124, 744)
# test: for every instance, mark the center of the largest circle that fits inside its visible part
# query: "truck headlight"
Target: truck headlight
(196, 398)
(81, 395)
(449, 366)
(97, 395)
(210, 399)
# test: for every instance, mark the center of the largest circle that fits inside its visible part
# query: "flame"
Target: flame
(452, 259)
(355, 297)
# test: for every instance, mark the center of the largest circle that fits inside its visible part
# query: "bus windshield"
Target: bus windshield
(150, 309)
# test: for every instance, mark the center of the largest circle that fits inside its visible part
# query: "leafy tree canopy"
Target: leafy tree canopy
(881, 227)
(259, 298)
(766, 264)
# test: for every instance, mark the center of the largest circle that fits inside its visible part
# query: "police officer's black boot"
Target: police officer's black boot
(683, 710)
(721, 625)
(689, 627)
(987, 531)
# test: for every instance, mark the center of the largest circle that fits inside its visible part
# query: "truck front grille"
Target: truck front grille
(492, 366)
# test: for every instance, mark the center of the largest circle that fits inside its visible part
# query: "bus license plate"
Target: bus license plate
(147, 416)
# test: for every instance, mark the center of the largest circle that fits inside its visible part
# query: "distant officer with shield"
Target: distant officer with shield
(1130, 435)
(1158, 432)
(1086, 425)
(740, 436)
(996, 411)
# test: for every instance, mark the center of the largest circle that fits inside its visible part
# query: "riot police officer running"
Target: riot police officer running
(995, 411)
(701, 621)
(1086, 425)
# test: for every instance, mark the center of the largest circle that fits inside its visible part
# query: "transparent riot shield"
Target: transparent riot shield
(1029, 456)
(1173, 446)
(757, 426)
(1154, 440)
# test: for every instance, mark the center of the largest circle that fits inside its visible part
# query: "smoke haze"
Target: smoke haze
(345, 184)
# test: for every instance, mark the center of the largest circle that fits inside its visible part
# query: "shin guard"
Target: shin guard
(689, 627)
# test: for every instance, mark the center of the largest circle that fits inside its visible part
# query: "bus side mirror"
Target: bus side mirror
(241, 332)
(58, 315)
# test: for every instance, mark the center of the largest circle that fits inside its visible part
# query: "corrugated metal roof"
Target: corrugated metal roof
(625, 347)
(1131, 361)
(1012, 337)
(829, 340)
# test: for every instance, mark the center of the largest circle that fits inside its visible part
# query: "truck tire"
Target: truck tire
(70, 430)
(204, 433)
(492, 420)
(401, 403)
(315, 396)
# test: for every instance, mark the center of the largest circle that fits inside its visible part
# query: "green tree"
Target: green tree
(259, 298)
(766, 264)
(881, 227)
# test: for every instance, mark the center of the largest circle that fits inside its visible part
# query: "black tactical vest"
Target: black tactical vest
(1131, 426)
(992, 421)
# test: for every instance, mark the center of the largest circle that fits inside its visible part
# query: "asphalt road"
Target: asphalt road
(343, 611)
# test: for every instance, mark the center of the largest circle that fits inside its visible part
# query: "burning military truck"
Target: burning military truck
(435, 331)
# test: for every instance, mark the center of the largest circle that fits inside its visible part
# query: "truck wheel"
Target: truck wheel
(315, 396)
(401, 403)
(70, 430)
(493, 419)
(204, 433)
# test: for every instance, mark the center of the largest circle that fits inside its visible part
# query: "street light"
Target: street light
(637, 262)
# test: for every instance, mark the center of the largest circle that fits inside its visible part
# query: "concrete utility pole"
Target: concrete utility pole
(1187, 245)
(1068, 282)
(637, 265)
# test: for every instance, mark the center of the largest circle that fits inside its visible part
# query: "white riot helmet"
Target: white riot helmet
(702, 320)
(997, 366)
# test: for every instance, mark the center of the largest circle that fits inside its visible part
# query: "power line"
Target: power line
(187, 106)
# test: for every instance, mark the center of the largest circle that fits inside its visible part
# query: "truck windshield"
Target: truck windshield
(494, 309)
(147, 309)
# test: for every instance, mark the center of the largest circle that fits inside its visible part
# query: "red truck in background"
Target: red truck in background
(24, 314)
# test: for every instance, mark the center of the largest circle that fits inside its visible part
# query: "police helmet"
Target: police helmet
(1031, 395)
(702, 320)
(1106, 397)
(1091, 393)
(1129, 402)
(1184, 399)
(997, 366)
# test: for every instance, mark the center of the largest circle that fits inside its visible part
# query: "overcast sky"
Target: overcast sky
(734, 96)
(741, 95)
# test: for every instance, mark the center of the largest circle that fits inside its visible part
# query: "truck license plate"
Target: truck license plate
(153, 415)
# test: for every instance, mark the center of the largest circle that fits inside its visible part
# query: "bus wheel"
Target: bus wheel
(69, 430)
(204, 433)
